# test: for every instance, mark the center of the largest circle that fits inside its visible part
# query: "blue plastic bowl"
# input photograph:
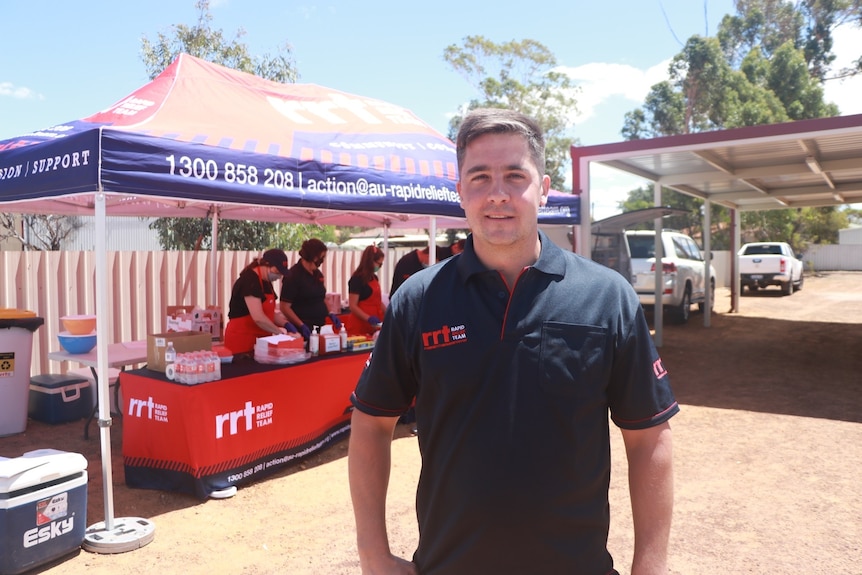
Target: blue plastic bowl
(77, 343)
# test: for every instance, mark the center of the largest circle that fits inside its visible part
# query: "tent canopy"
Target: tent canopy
(201, 138)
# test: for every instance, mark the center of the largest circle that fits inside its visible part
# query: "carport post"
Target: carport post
(659, 271)
(735, 286)
(707, 248)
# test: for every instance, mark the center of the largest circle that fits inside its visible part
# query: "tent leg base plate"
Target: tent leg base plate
(128, 534)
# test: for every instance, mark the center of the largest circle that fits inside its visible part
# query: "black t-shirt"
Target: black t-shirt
(408, 265)
(306, 293)
(249, 283)
(512, 395)
(358, 286)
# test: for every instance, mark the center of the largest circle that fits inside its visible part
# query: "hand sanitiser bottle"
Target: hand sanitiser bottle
(342, 333)
(314, 341)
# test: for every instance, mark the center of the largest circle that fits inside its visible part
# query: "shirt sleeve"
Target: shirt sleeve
(388, 384)
(639, 394)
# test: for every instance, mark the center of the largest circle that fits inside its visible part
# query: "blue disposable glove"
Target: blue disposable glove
(373, 320)
(335, 321)
(305, 331)
(289, 327)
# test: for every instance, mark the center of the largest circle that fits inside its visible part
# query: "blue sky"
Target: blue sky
(66, 60)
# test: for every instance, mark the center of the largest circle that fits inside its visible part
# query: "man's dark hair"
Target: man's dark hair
(483, 121)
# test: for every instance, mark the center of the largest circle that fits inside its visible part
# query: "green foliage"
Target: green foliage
(853, 215)
(766, 65)
(195, 234)
(691, 222)
(202, 41)
(807, 25)
(520, 76)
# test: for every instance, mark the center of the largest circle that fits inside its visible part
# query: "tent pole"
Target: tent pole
(432, 241)
(111, 535)
(102, 359)
(386, 263)
(214, 259)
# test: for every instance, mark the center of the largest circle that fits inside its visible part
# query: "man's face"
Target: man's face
(501, 190)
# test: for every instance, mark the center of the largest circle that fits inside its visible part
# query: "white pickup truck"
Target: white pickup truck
(764, 264)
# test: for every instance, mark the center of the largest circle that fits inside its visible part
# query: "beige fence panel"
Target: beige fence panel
(141, 285)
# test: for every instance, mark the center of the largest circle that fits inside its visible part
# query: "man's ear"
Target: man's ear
(546, 189)
(458, 189)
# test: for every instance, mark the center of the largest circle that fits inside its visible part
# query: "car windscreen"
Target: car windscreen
(641, 247)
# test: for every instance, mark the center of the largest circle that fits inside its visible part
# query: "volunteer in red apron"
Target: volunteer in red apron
(303, 291)
(364, 295)
(252, 311)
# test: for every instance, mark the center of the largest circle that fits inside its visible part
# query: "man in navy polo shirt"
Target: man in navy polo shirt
(515, 352)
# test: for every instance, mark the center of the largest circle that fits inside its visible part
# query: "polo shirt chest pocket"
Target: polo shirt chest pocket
(573, 360)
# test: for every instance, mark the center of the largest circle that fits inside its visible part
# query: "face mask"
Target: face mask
(273, 277)
(376, 269)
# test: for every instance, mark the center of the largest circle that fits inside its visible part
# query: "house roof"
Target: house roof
(806, 163)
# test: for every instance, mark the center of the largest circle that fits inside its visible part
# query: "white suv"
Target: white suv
(682, 272)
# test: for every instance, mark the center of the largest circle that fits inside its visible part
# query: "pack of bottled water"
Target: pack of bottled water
(195, 367)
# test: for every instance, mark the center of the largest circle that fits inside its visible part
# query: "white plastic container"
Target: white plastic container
(43, 508)
(16, 352)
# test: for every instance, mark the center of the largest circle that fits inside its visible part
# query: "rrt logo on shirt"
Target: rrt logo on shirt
(446, 335)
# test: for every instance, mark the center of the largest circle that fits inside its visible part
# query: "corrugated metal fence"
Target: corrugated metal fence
(54, 284)
(143, 283)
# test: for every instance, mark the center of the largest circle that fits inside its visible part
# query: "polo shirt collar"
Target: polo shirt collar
(552, 260)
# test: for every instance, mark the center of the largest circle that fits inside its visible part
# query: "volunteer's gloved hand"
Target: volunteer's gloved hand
(335, 321)
(373, 320)
(289, 327)
(305, 331)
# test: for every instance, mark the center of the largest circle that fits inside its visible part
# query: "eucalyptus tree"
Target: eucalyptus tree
(520, 75)
(203, 41)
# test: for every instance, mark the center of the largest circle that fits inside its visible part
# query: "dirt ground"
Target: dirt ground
(768, 453)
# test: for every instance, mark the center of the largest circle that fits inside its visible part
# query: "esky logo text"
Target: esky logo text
(446, 335)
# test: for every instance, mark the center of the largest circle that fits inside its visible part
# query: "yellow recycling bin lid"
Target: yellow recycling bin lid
(10, 317)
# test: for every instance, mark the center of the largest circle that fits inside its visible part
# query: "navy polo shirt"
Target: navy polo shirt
(306, 293)
(513, 394)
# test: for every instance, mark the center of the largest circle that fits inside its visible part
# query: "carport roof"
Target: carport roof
(805, 163)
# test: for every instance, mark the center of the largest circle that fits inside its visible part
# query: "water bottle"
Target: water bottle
(342, 333)
(170, 360)
(217, 366)
(314, 342)
(211, 359)
(200, 364)
(181, 369)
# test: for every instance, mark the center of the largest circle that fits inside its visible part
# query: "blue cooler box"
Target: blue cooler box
(43, 508)
(58, 398)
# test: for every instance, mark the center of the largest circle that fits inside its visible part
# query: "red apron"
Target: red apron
(242, 332)
(372, 305)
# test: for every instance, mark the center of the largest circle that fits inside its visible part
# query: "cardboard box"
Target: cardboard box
(329, 343)
(184, 318)
(43, 508)
(58, 398)
(184, 341)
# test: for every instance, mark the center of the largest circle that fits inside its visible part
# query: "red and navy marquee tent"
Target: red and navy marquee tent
(202, 139)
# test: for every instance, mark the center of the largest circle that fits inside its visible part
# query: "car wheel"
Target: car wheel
(787, 289)
(801, 279)
(700, 306)
(753, 287)
(681, 313)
